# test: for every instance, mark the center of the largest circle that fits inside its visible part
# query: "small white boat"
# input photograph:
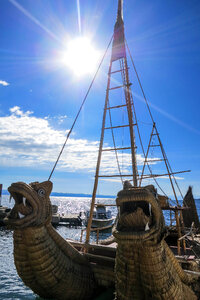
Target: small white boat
(101, 217)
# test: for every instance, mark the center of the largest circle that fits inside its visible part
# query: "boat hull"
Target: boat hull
(100, 223)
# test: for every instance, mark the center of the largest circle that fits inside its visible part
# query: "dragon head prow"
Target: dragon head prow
(140, 216)
(32, 204)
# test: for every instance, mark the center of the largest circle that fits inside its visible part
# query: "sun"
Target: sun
(81, 57)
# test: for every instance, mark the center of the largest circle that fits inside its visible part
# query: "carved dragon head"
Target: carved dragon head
(32, 204)
(140, 216)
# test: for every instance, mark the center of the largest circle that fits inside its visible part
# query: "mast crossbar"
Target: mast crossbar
(154, 146)
(113, 127)
(161, 175)
(116, 87)
(145, 176)
(117, 106)
(154, 160)
(115, 175)
(117, 71)
(113, 149)
(121, 86)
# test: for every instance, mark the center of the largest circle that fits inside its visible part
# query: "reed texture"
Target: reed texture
(145, 267)
(46, 263)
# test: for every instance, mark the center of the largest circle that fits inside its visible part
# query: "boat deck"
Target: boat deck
(102, 259)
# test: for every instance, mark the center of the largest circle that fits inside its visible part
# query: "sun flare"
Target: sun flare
(81, 56)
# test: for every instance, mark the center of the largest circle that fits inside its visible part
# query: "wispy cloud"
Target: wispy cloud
(15, 110)
(33, 142)
(4, 83)
(29, 141)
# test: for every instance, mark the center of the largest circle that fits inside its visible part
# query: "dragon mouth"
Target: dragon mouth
(135, 216)
(139, 215)
(32, 204)
(24, 205)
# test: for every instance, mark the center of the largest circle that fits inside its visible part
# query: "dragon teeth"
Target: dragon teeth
(150, 209)
(20, 215)
(24, 201)
(147, 227)
(10, 198)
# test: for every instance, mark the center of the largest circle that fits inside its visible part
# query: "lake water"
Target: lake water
(11, 286)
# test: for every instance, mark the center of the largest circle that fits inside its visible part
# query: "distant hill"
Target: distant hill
(55, 194)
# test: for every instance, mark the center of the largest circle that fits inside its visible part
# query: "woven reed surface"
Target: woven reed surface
(43, 264)
(148, 273)
(145, 267)
(104, 276)
(190, 215)
(46, 263)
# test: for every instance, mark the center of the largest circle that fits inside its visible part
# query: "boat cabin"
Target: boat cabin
(100, 212)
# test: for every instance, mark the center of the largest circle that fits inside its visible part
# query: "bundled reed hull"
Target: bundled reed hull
(145, 267)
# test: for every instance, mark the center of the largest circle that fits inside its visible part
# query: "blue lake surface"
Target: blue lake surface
(11, 286)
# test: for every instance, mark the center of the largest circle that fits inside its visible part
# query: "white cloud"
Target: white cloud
(29, 141)
(4, 83)
(18, 112)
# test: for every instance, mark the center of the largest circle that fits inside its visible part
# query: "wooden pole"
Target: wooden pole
(98, 161)
(178, 230)
(130, 118)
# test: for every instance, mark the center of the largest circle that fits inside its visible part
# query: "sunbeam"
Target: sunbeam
(166, 114)
(32, 18)
(79, 16)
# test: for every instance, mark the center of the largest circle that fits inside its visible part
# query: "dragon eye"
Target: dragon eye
(41, 192)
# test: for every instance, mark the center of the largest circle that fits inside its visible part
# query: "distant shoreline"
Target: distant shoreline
(56, 194)
(79, 195)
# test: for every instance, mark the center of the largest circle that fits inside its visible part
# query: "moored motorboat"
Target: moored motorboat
(101, 217)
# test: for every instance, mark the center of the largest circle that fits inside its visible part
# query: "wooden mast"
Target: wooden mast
(118, 53)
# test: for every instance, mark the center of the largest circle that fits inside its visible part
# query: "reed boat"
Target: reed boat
(144, 258)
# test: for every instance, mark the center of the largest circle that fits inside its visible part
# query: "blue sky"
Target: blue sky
(39, 97)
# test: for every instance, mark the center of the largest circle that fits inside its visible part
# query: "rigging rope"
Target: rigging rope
(140, 138)
(140, 84)
(90, 86)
